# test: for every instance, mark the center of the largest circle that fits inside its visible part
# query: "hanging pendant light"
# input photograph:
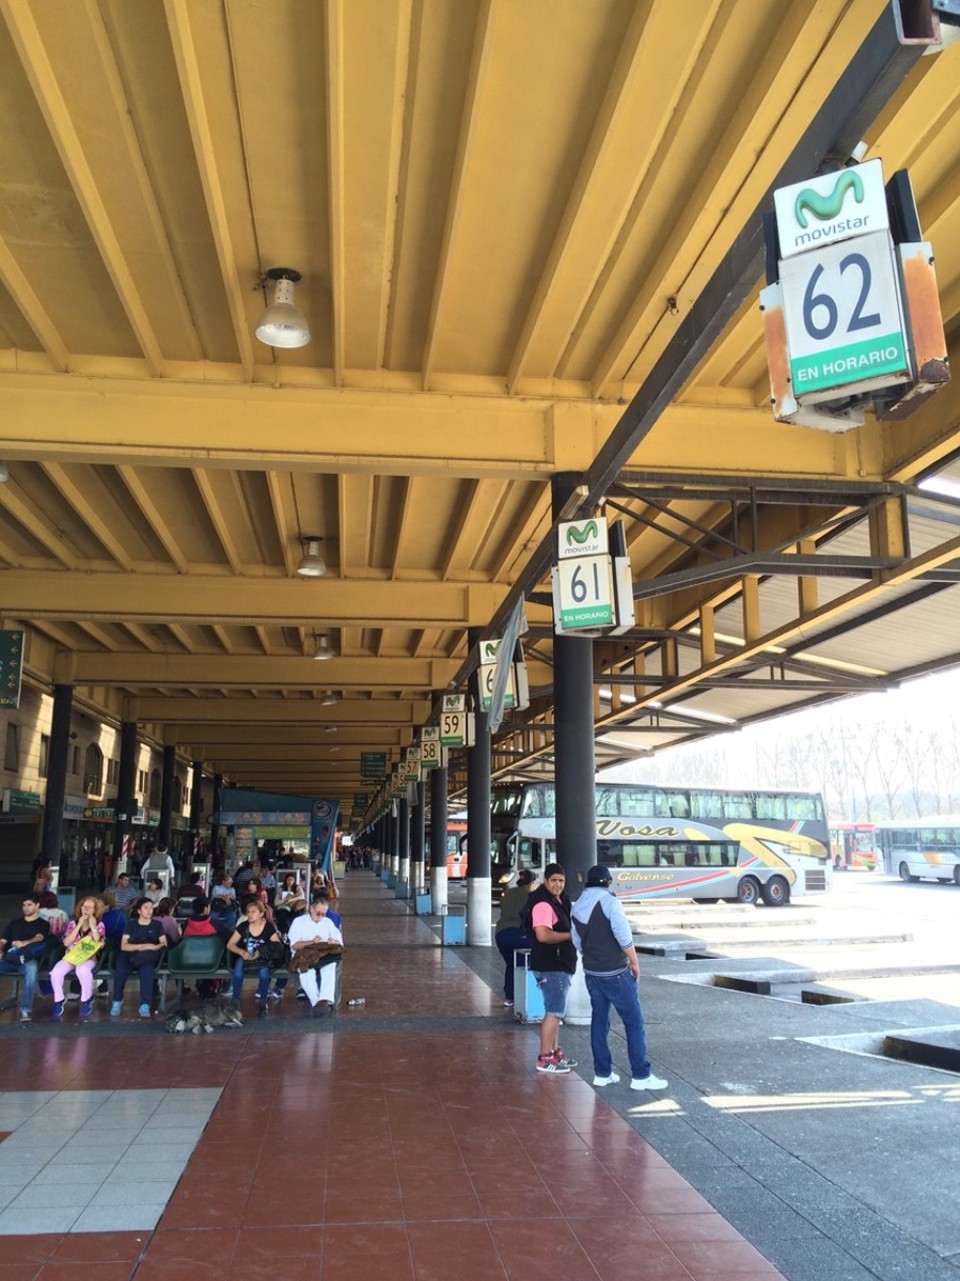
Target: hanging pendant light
(282, 324)
(312, 564)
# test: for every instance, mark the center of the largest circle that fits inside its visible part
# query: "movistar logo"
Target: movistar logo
(828, 206)
(582, 533)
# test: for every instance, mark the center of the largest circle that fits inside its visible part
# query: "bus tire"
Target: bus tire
(905, 873)
(776, 892)
(748, 891)
(956, 874)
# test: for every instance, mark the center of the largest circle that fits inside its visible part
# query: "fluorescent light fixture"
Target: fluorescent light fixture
(329, 698)
(605, 694)
(321, 646)
(312, 564)
(4, 474)
(282, 324)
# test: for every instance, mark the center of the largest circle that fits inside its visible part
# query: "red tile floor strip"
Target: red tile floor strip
(412, 1155)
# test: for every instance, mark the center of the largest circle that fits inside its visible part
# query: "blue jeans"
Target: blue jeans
(619, 991)
(28, 973)
(239, 973)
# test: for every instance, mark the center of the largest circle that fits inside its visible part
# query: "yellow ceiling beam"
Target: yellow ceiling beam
(46, 87)
(205, 154)
(457, 197)
(278, 711)
(248, 671)
(101, 420)
(31, 308)
(228, 739)
(277, 602)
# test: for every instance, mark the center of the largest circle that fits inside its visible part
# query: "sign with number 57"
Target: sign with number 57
(844, 318)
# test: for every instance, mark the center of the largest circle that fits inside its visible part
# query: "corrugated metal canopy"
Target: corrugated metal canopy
(503, 225)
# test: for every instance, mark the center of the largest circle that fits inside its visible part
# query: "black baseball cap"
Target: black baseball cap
(599, 875)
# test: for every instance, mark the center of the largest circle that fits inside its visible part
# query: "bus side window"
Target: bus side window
(803, 807)
(772, 806)
(679, 805)
(737, 805)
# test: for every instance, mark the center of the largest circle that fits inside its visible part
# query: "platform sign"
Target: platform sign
(453, 729)
(373, 766)
(833, 207)
(844, 318)
(431, 753)
(583, 592)
(454, 703)
(582, 538)
(11, 667)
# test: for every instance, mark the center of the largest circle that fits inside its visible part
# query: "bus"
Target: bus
(676, 842)
(854, 846)
(922, 847)
(456, 849)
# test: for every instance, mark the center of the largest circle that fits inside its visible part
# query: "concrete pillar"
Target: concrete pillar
(418, 838)
(51, 841)
(403, 823)
(123, 828)
(438, 839)
(479, 931)
(166, 793)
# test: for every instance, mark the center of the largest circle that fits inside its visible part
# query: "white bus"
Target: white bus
(702, 843)
(921, 847)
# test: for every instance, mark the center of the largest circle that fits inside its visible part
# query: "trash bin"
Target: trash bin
(423, 904)
(453, 926)
(527, 997)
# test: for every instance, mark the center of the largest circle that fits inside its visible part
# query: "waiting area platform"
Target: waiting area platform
(408, 1138)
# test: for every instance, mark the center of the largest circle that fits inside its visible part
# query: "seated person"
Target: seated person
(223, 903)
(114, 919)
(319, 982)
(125, 892)
(245, 943)
(201, 923)
(193, 888)
(163, 912)
(154, 890)
(141, 949)
(22, 948)
(53, 913)
(83, 942)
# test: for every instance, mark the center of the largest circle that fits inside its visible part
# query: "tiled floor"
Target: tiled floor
(408, 1139)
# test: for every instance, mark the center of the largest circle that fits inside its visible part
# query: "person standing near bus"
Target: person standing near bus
(602, 936)
(509, 934)
(553, 960)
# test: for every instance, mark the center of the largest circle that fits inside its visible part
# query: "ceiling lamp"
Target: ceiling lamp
(328, 699)
(312, 564)
(282, 324)
(321, 648)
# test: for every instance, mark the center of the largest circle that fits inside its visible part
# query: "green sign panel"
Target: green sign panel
(11, 667)
(373, 766)
(360, 800)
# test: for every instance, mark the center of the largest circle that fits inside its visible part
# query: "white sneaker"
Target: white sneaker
(612, 1079)
(650, 1082)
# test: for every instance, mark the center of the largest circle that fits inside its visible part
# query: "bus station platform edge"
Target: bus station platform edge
(410, 1137)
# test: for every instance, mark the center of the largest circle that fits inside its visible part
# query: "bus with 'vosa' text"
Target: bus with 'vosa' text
(705, 844)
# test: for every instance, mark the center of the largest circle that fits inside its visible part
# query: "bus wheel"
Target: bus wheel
(956, 874)
(776, 892)
(748, 891)
(905, 873)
